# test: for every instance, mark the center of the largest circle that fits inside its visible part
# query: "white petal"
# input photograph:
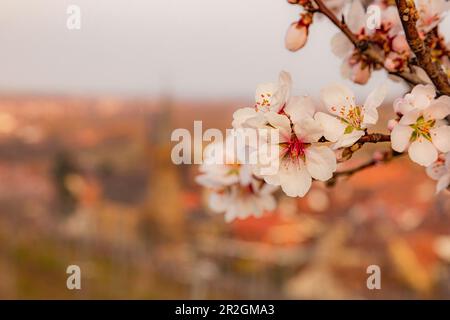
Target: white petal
(285, 79)
(376, 97)
(346, 69)
(340, 45)
(240, 116)
(308, 130)
(338, 99)
(299, 108)
(267, 189)
(245, 175)
(421, 95)
(438, 109)
(400, 137)
(410, 117)
(333, 128)
(370, 117)
(421, 74)
(320, 162)
(371, 104)
(281, 95)
(272, 96)
(447, 161)
(269, 203)
(402, 106)
(441, 138)
(218, 202)
(443, 183)
(356, 17)
(280, 122)
(348, 139)
(294, 178)
(273, 180)
(436, 170)
(266, 162)
(232, 213)
(423, 152)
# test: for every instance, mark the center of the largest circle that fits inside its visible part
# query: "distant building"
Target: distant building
(164, 212)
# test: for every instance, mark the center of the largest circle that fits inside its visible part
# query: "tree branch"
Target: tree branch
(348, 152)
(386, 157)
(363, 46)
(408, 15)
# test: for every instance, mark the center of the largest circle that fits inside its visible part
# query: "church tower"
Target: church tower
(164, 213)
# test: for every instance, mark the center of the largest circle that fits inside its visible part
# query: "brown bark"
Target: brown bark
(408, 15)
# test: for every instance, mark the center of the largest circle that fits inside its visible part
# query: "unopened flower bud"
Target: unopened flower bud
(297, 34)
(393, 62)
(378, 156)
(360, 73)
(391, 124)
(399, 44)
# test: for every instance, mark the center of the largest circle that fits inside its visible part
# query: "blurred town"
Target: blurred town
(89, 181)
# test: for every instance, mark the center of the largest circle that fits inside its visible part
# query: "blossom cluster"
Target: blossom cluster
(306, 148)
(387, 40)
(313, 137)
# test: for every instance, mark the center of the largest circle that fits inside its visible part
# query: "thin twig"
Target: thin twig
(387, 156)
(348, 152)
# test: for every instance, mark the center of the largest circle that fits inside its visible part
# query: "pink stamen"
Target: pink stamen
(296, 147)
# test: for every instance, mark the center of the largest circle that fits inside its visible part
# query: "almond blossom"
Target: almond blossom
(440, 171)
(268, 97)
(354, 67)
(387, 40)
(431, 13)
(348, 121)
(234, 191)
(421, 128)
(301, 158)
(238, 202)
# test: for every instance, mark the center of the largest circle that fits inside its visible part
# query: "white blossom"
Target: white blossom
(422, 128)
(299, 155)
(348, 121)
(440, 171)
(353, 69)
(268, 97)
(431, 13)
(234, 191)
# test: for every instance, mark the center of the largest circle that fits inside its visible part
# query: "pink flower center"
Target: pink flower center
(295, 148)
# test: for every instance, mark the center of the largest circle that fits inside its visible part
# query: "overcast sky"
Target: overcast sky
(194, 48)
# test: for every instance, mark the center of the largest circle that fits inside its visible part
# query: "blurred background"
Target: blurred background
(86, 176)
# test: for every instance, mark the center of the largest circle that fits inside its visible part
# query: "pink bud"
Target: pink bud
(391, 124)
(392, 61)
(296, 36)
(360, 75)
(399, 44)
(378, 156)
